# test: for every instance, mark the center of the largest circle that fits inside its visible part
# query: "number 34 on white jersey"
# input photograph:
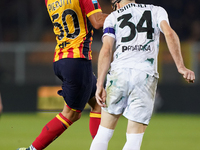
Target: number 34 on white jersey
(136, 29)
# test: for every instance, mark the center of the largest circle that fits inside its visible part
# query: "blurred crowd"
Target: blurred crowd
(183, 16)
(27, 20)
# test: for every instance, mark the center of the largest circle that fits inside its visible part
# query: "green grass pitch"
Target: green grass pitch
(165, 132)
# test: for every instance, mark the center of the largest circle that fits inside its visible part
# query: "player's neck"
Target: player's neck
(123, 3)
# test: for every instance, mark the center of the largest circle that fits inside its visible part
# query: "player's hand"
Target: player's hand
(101, 96)
(1, 108)
(188, 75)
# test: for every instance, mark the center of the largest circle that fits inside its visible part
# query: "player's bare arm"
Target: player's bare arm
(173, 44)
(97, 19)
(103, 66)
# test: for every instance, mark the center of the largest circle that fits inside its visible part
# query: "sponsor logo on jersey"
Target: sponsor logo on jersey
(136, 48)
(64, 44)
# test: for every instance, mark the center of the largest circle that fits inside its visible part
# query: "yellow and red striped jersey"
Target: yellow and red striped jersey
(72, 27)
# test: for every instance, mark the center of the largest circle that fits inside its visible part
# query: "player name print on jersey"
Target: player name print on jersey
(129, 6)
(55, 5)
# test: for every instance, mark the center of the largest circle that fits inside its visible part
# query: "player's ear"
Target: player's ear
(118, 5)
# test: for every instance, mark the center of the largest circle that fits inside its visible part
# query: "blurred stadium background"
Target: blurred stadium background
(28, 83)
(27, 47)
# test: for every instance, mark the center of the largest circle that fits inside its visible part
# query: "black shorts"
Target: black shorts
(79, 82)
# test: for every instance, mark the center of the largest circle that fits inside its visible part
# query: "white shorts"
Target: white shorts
(132, 93)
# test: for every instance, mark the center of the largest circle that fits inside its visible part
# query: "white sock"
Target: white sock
(133, 141)
(32, 148)
(101, 139)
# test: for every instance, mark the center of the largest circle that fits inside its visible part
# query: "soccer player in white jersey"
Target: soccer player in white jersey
(132, 78)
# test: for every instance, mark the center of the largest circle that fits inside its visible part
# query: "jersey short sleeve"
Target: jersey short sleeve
(109, 26)
(162, 15)
(91, 6)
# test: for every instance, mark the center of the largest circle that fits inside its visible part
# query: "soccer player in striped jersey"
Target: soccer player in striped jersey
(132, 79)
(73, 22)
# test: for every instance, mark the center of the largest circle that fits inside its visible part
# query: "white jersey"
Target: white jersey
(136, 29)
